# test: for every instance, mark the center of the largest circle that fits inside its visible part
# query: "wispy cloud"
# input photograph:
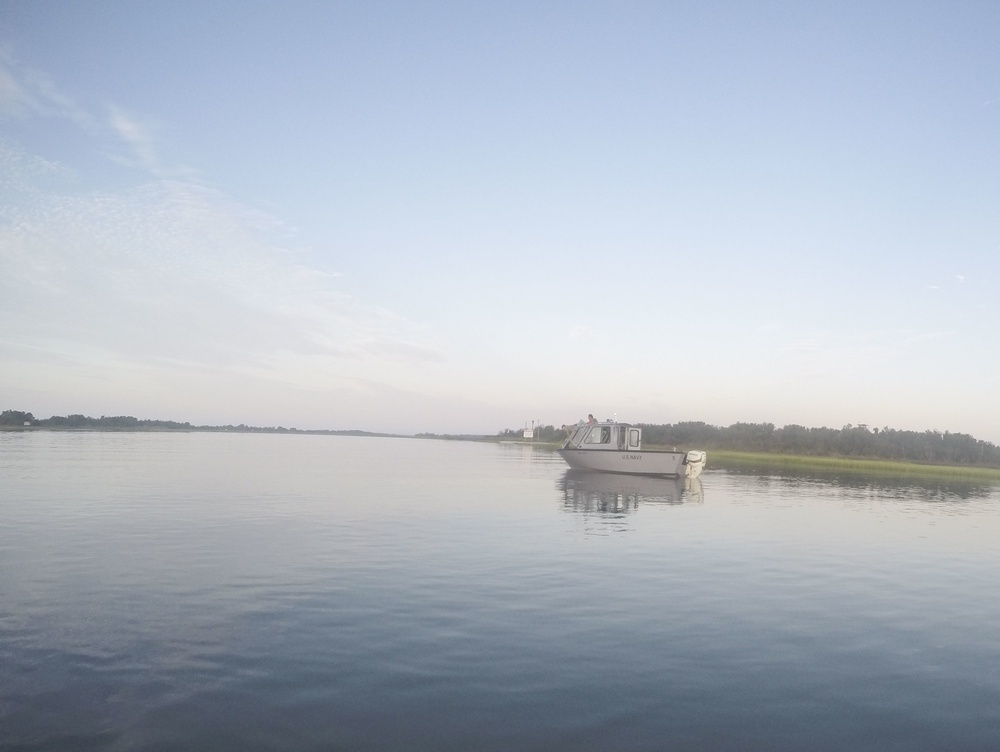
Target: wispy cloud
(169, 271)
(28, 92)
(138, 138)
(172, 272)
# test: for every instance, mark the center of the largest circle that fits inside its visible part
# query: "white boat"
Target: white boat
(617, 448)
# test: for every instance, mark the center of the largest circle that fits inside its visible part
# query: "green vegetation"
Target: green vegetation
(119, 422)
(759, 462)
(849, 442)
(12, 419)
(857, 447)
(16, 418)
(851, 448)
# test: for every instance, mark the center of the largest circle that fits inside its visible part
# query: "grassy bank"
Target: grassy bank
(763, 461)
(766, 461)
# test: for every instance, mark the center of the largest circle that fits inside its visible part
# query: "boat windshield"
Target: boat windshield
(576, 438)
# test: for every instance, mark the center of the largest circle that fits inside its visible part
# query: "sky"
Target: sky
(466, 217)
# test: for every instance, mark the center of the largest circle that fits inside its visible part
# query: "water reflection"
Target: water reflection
(590, 492)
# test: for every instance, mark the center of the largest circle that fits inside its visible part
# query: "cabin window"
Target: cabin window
(633, 437)
(599, 435)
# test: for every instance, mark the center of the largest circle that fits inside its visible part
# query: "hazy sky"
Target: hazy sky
(461, 217)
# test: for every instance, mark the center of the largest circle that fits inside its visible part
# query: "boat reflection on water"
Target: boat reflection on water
(594, 492)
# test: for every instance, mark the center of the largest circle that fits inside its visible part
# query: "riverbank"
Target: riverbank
(717, 458)
(759, 461)
(768, 462)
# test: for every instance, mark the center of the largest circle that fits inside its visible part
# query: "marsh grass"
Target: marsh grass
(762, 461)
(799, 463)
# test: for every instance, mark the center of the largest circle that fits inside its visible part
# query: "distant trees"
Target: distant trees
(15, 418)
(929, 447)
(122, 422)
(129, 423)
(932, 447)
(82, 421)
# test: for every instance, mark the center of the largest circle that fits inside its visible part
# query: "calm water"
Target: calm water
(202, 591)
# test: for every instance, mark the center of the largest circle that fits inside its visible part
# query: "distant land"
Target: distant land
(16, 419)
(850, 442)
(930, 447)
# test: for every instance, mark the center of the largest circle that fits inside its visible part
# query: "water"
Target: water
(215, 591)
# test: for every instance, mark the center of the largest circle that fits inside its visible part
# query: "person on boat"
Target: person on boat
(591, 419)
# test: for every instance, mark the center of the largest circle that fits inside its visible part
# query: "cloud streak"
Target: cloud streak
(26, 92)
(137, 294)
(171, 273)
(137, 138)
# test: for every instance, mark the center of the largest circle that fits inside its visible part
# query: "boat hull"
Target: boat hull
(637, 462)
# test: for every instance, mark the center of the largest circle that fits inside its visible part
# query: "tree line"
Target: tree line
(928, 447)
(12, 418)
(118, 422)
(19, 418)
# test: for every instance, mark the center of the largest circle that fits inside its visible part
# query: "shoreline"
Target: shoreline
(740, 460)
(854, 465)
(718, 458)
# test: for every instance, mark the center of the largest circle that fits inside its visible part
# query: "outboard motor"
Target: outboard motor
(694, 463)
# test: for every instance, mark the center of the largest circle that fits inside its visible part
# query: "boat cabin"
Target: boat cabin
(615, 437)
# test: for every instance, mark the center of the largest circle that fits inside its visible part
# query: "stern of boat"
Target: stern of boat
(694, 463)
